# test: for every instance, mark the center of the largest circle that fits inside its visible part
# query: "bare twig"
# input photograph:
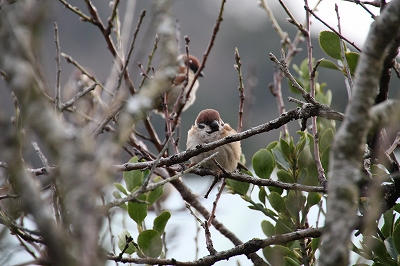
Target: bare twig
(131, 46)
(77, 97)
(332, 29)
(349, 79)
(293, 20)
(238, 67)
(76, 11)
(321, 171)
(69, 59)
(42, 157)
(283, 67)
(57, 103)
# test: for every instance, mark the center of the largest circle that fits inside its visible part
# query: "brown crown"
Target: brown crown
(207, 116)
(194, 63)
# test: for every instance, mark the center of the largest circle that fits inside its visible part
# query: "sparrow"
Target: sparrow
(177, 85)
(209, 127)
(89, 103)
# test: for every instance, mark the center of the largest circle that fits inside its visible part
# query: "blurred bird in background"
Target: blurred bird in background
(177, 85)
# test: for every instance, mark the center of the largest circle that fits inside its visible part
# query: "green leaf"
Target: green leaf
(263, 163)
(272, 145)
(122, 242)
(276, 189)
(378, 247)
(238, 187)
(284, 176)
(330, 44)
(352, 60)
(134, 178)
(315, 243)
(290, 262)
(262, 194)
(325, 140)
(396, 237)
(313, 198)
(154, 195)
(267, 228)
(150, 243)
(161, 221)
(285, 149)
(303, 141)
(277, 202)
(325, 160)
(121, 188)
(388, 217)
(284, 226)
(305, 158)
(305, 74)
(273, 256)
(138, 211)
(389, 244)
(329, 64)
(280, 159)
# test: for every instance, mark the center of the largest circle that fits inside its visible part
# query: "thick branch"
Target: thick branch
(348, 146)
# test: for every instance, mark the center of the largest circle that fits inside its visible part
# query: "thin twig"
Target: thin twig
(283, 67)
(215, 203)
(77, 96)
(57, 58)
(282, 34)
(42, 157)
(76, 11)
(321, 172)
(349, 79)
(293, 20)
(238, 67)
(69, 59)
(112, 16)
(332, 29)
(131, 46)
(153, 186)
(150, 59)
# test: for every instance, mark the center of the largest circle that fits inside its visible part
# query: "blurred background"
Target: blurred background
(245, 26)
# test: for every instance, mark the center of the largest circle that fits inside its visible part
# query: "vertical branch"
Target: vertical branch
(131, 47)
(348, 146)
(57, 103)
(238, 67)
(348, 78)
(321, 172)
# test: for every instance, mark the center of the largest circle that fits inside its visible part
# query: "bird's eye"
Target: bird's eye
(200, 125)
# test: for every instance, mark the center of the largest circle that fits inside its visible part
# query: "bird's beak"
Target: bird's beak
(201, 74)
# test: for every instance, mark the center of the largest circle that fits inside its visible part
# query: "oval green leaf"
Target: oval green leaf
(138, 211)
(268, 228)
(263, 163)
(150, 243)
(330, 44)
(161, 221)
